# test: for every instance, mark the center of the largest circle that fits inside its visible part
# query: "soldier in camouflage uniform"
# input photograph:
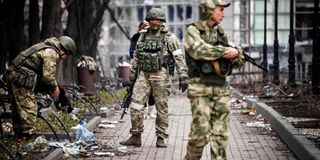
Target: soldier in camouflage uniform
(157, 52)
(208, 65)
(36, 65)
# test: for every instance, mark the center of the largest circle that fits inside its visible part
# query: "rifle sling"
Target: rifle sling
(216, 67)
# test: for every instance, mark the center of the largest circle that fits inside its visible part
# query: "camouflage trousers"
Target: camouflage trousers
(24, 109)
(159, 84)
(210, 106)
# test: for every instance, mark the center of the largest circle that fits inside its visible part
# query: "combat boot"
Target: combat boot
(134, 140)
(160, 143)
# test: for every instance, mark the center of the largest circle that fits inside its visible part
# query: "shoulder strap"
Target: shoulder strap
(221, 34)
(28, 52)
(143, 36)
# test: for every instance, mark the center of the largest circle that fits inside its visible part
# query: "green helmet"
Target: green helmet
(156, 13)
(207, 6)
(68, 44)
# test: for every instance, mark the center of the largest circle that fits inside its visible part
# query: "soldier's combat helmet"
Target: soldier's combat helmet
(68, 44)
(156, 13)
(208, 5)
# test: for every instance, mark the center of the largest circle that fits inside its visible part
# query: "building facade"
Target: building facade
(244, 21)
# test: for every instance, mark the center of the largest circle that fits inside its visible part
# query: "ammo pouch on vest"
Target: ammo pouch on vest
(220, 67)
(150, 54)
(25, 77)
(150, 62)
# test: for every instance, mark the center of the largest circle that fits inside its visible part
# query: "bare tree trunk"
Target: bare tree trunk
(51, 19)
(84, 25)
(12, 29)
(3, 53)
(34, 22)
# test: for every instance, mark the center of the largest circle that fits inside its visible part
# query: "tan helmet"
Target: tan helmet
(156, 13)
(68, 44)
(207, 6)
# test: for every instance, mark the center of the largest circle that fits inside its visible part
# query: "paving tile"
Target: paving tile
(244, 143)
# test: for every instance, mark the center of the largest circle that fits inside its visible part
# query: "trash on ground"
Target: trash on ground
(104, 154)
(109, 121)
(106, 126)
(84, 135)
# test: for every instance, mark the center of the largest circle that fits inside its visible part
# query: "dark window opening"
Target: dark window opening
(171, 13)
(140, 14)
(189, 12)
(180, 12)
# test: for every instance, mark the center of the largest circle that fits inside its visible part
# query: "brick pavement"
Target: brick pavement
(244, 143)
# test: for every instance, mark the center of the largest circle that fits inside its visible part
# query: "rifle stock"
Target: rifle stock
(246, 56)
(126, 102)
(127, 99)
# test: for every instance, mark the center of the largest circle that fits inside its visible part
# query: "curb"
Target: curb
(299, 144)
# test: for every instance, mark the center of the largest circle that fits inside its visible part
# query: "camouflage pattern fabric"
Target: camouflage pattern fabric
(210, 106)
(159, 83)
(24, 109)
(24, 102)
(210, 103)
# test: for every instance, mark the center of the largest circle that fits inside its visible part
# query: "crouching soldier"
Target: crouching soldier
(37, 64)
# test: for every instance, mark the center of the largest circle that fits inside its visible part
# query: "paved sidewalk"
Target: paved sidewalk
(245, 143)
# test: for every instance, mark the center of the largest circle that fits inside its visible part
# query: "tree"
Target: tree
(84, 26)
(12, 39)
(34, 22)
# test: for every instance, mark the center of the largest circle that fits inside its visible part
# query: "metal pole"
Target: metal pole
(291, 60)
(316, 50)
(265, 58)
(276, 46)
(249, 30)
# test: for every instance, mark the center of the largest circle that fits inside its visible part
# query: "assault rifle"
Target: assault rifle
(246, 56)
(127, 98)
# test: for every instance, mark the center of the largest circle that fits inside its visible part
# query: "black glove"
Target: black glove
(183, 84)
(63, 103)
(126, 83)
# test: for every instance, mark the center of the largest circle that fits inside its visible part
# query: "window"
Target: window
(140, 14)
(180, 12)
(171, 13)
(189, 12)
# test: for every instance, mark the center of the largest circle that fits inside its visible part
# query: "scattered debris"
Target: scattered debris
(106, 126)
(104, 154)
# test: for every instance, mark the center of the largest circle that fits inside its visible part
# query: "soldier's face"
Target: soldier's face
(63, 54)
(155, 24)
(217, 15)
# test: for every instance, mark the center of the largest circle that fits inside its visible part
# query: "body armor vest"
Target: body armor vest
(27, 68)
(207, 70)
(24, 58)
(150, 52)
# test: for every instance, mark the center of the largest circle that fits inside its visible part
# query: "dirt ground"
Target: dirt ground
(297, 104)
(288, 101)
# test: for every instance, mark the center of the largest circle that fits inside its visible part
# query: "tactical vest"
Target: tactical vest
(35, 64)
(27, 69)
(212, 72)
(150, 53)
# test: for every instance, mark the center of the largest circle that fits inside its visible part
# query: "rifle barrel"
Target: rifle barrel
(246, 56)
(123, 113)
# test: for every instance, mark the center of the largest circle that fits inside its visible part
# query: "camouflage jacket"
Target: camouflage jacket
(199, 43)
